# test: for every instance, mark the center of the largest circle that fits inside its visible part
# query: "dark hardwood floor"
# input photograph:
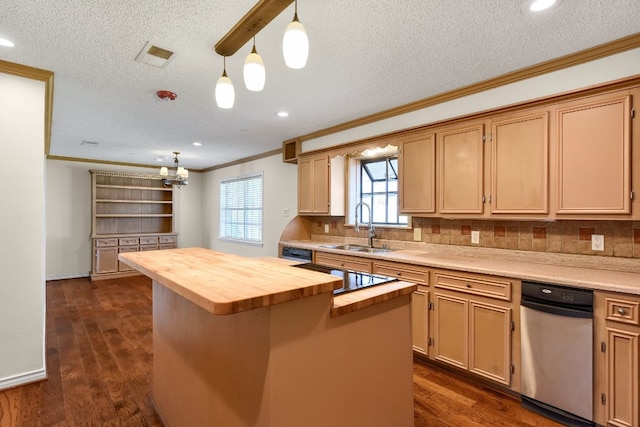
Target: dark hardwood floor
(99, 362)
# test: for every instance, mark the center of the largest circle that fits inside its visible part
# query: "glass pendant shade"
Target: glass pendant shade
(295, 45)
(254, 72)
(225, 94)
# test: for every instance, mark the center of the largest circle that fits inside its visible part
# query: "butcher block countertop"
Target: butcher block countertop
(583, 271)
(225, 284)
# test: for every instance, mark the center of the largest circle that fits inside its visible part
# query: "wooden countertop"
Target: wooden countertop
(225, 284)
(587, 272)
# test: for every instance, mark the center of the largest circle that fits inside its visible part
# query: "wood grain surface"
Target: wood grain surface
(225, 284)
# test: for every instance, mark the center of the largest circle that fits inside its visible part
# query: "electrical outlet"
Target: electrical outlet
(475, 237)
(417, 234)
(597, 242)
(326, 228)
(286, 212)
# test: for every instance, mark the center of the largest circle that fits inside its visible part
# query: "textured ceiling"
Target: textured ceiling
(365, 57)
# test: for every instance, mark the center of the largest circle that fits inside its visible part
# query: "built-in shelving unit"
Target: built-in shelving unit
(130, 212)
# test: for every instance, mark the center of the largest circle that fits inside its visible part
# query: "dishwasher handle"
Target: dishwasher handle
(586, 313)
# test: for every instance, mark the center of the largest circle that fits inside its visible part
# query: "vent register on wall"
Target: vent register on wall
(129, 213)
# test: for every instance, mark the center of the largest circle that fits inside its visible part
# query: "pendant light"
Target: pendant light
(254, 72)
(295, 45)
(225, 94)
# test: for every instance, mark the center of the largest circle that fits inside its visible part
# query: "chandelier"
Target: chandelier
(179, 179)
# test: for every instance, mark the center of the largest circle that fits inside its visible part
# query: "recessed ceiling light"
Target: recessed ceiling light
(283, 114)
(197, 143)
(540, 5)
(5, 42)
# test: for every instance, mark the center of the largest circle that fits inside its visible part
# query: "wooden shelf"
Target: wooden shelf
(134, 215)
(129, 212)
(134, 201)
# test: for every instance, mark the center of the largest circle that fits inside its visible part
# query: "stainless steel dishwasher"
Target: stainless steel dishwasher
(557, 352)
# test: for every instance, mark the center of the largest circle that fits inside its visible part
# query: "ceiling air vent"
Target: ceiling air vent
(155, 56)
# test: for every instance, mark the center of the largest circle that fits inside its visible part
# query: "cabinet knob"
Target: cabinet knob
(621, 311)
(398, 273)
(468, 285)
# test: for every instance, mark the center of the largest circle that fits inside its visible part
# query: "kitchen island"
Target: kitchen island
(254, 342)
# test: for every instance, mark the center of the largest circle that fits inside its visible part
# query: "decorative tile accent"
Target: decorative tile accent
(465, 230)
(585, 233)
(636, 235)
(499, 230)
(539, 233)
(435, 229)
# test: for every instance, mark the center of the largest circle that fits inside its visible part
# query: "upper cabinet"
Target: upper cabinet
(520, 164)
(594, 156)
(321, 185)
(417, 173)
(461, 172)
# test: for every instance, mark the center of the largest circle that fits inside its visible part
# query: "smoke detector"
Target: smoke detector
(166, 95)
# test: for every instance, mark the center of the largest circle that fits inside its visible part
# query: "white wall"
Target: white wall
(69, 215)
(22, 228)
(606, 69)
(280, 193)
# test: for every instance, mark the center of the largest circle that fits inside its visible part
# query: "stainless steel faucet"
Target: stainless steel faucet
(372, 231)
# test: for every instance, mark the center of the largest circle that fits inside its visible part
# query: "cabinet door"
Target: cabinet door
(106, 260)
(520, 166)
(461, 170)
(490, 341)
(321, 185)
(417, 174)
(420, 320)
(594, 175)
(124, 266)
(305, 186)
(623, 377)
(451, 338)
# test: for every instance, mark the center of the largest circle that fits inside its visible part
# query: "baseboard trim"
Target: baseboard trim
(22, 379)
(68, 276)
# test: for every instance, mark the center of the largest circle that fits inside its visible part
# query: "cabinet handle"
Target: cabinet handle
(603, 398)
(621, 311)
(468, 285)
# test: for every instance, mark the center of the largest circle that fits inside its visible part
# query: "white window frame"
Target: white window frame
(226, 221)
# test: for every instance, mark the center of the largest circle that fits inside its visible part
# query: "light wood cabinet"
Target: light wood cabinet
(594, 156)
(417, 173)
(473, 325)
(617, 353)
(420, 320)
(461, 172)
(130, 212)
(520, 164)
(420, 298)
(343, 262)
(321, 185)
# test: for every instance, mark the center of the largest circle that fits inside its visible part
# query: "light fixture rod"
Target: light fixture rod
(255, 20)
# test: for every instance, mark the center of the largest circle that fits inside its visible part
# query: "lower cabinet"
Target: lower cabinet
(106, 250)
(617, 352)
(473, 327)
(420, 320)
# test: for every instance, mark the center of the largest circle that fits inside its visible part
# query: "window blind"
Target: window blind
(241, 209)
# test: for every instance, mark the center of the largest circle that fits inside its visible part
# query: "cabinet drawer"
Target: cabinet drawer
(148, 247)
(106, 242)
(477, 285)
(409, 273)
(168, 246)
(623, 311)
(128, 241)
(149, 240)
(168, 239)
(343, 262)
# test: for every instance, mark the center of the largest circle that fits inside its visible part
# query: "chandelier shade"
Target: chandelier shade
(295, 44)
(181, 177)
(225, 94)
(254, 71)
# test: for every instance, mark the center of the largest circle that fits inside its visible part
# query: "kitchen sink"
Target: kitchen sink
(357, 248)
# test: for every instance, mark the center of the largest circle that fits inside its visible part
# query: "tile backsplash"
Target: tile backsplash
(621, 238)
